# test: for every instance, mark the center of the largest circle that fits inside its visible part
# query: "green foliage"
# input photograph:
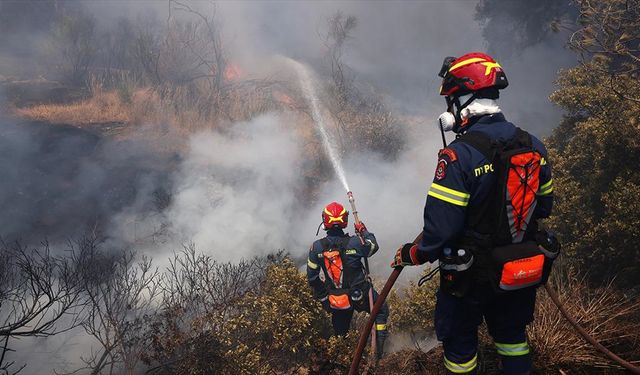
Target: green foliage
(594, 152)
(277, 326)
(413, 308)
(610, 28)
(262, 319)
(595, 149)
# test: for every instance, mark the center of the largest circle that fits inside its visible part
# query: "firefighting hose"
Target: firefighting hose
(552, 294)
(374, 311)
(356, 219)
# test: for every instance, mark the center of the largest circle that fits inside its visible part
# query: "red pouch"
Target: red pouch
(339, 302)
(521, 273)
(518, 266)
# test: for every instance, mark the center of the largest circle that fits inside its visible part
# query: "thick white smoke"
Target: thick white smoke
(234, 194)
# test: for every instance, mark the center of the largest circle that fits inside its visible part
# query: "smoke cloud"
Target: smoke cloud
(59, 181)
(234, 194)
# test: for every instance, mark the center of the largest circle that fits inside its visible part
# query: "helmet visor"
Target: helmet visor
(446, 65)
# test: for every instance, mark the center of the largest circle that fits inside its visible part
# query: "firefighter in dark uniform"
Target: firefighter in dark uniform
(460, 227)
(345, 287)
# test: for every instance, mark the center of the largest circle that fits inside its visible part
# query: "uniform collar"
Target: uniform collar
(487, 119)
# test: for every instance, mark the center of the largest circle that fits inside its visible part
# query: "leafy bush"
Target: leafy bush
(597, 220)
(278, 324)
(592, 148)
(260, 318)
(412, 310)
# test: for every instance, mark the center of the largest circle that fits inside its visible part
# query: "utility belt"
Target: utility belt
(345, 298)
(505, 268)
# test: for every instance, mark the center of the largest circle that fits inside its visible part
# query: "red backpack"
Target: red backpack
(337, 277)
(508, 255)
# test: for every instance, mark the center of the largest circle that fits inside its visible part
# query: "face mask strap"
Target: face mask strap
(454, 106)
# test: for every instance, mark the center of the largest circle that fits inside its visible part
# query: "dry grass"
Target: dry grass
(185, 111)
(412, 362)
(606, 313)
(102, 107)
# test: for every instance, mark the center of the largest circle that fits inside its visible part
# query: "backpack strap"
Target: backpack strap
(480, 142)
(326, 244)
(489, 148)
(522, 139)
(344, 243)
(341, 244)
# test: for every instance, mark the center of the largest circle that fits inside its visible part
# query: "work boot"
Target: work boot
(381, 337)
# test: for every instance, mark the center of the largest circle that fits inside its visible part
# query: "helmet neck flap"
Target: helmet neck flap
(467, 107)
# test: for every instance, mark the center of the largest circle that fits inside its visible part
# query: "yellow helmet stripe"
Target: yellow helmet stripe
(339, 218)
(467, 62)
(490, 66)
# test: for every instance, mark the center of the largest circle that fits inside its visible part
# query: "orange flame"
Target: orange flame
(232, 72)
(283, 98)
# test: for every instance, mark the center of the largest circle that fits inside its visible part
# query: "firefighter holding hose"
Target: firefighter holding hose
(346, 286)
(491, 186)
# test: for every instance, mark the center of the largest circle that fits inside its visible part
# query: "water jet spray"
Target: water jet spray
(308, 90)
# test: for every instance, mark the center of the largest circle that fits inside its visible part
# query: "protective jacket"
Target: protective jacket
(352, 254)
(464, 179)
(352, 280)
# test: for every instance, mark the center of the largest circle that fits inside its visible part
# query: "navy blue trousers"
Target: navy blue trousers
(507, 315)
(341, 320)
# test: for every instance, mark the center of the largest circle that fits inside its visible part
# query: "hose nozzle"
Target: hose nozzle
(354, 211)
(352, 201)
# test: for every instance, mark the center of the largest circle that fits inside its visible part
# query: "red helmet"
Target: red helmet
(470, 73)
(335, 215)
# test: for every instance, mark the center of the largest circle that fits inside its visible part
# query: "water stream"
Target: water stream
(307, 83)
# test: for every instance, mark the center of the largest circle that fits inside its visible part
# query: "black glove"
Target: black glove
(403, 256)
